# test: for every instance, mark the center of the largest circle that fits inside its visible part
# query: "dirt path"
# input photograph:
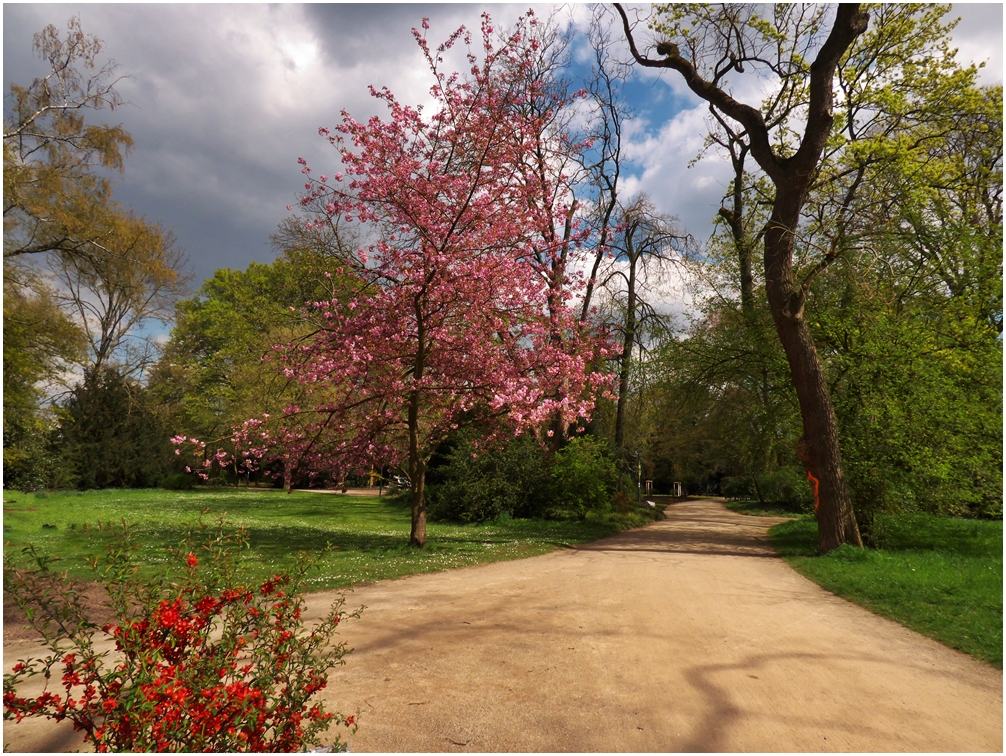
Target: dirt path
(686, 635)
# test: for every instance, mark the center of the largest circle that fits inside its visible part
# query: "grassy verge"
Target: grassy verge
(370, 533)
(940, 576)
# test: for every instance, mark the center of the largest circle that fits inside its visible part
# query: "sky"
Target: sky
(223, 99)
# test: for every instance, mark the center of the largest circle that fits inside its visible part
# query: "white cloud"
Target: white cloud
(692, 194)
(979, 37)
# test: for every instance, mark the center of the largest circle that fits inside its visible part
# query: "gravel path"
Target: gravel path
(686, 635)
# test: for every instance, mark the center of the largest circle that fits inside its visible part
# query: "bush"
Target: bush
(584, 478)
(738, 487)
(205, 661)
(471, 484)
(29, 459)
(788, 488)
(468, 483)
(785, 488)
(178, 482)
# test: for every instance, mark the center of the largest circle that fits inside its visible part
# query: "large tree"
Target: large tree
(645, 245)
(450, 320)
(112, 434)
(215, 370)
(111, 295)
(716, 43)
(112, 268)
(81, 272)
(40, 343)
(911, 154)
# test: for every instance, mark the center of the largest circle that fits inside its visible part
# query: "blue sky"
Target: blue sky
(223, 99)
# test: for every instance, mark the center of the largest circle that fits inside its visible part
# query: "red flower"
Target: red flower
(191, 559)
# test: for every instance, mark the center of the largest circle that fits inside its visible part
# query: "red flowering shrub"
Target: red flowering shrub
(203, 660)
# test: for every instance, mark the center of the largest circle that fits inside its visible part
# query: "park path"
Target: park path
(686, 635)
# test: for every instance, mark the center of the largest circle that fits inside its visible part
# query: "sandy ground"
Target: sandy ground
(686, 635)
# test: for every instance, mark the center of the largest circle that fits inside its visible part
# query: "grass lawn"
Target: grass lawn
(370, 533)
(940, 576)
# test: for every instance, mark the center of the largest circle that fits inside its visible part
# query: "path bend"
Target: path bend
(689, 634)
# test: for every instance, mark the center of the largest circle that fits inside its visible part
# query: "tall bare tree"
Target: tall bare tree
(646, 244)
(112, 292)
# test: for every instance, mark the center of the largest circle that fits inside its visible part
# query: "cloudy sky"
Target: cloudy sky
(223, 99)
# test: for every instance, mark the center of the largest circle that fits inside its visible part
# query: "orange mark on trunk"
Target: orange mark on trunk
(815, 484)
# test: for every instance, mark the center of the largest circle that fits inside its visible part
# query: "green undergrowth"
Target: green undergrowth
(940, 576)
(370, 534)
(756, 508)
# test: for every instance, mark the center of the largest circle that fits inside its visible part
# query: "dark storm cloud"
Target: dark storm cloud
(224, 99)
(355, 33)
(191, 113)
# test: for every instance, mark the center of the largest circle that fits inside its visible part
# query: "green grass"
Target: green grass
(940, 576)
(370, 533)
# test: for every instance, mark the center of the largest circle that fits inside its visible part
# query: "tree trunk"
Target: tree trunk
(418, 535)
(735, 220)
(417, 476)
(626, 361)
(417, 473)
(818, 449)
(417, 465)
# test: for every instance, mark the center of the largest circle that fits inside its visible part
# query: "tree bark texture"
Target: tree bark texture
(417, 537)
(417, 476)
